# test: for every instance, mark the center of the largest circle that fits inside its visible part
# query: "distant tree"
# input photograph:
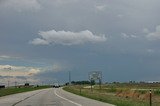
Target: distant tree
(67, 83)
(92, 82)
(81, 82)
(73, 82)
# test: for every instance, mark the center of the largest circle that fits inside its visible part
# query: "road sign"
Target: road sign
(95, 75)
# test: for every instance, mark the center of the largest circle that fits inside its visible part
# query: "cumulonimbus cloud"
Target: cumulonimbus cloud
(67, 38)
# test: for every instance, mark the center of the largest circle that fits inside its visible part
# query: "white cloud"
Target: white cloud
(57, 67)
(150, 51)
(64, 1)
(67, 38)
(120, 16)
(21, 74)
(125, 36)
(3, 57)
(154, 35)
(100, 7)
(145, 30)
(21, 5)
(133, 36)
(39, 41)
(9, 70)
(19, 80)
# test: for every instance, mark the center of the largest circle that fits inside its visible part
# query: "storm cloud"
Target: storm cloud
(57, 36)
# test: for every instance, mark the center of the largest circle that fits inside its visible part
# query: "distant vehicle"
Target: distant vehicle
(56, 85)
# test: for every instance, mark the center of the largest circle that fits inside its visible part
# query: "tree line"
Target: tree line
(82, 82)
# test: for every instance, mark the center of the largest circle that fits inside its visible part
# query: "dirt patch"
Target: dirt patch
(133, 94)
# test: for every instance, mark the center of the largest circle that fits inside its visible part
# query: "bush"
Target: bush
(112, 89)
(142, 91)
(157, 92)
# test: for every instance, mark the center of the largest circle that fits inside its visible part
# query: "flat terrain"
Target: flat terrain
(120, 94)
(48, 97)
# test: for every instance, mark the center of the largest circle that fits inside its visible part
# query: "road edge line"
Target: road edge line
(66, 99)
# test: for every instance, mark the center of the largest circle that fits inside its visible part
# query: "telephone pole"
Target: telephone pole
(8, 83)
(69, 78)
(15, 84)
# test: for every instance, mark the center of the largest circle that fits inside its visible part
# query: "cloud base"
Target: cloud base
(67, 38)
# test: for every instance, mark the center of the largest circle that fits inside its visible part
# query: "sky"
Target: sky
(41, 41)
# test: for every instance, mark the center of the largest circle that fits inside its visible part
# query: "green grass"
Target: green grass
(108, 98)
(157, 92)
(9, 91)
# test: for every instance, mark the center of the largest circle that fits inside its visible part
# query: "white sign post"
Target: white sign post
(95, 75)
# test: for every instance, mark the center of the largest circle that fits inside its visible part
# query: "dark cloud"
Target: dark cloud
(123, 22)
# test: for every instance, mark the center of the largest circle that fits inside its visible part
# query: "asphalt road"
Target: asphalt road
(48, 97)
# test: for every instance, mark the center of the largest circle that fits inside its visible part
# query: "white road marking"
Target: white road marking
(66, 99)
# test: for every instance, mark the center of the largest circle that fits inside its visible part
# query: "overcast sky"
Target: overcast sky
(42, 40)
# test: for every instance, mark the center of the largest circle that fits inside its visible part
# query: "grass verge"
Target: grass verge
(106, 97)
(9, 91)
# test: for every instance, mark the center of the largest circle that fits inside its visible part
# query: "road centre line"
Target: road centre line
(26, 98)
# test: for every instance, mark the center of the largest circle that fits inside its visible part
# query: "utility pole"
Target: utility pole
(15, 84)
(91, 85)
(150, 97)
(8, 69)
(69, 78)
(8, 83)
(100, 83)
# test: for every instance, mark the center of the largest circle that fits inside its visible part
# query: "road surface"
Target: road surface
(48, 97)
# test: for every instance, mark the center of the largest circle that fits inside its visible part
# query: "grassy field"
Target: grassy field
(9, 91)
(119, 94)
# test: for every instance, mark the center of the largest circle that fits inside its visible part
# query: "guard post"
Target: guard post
(150, 97)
